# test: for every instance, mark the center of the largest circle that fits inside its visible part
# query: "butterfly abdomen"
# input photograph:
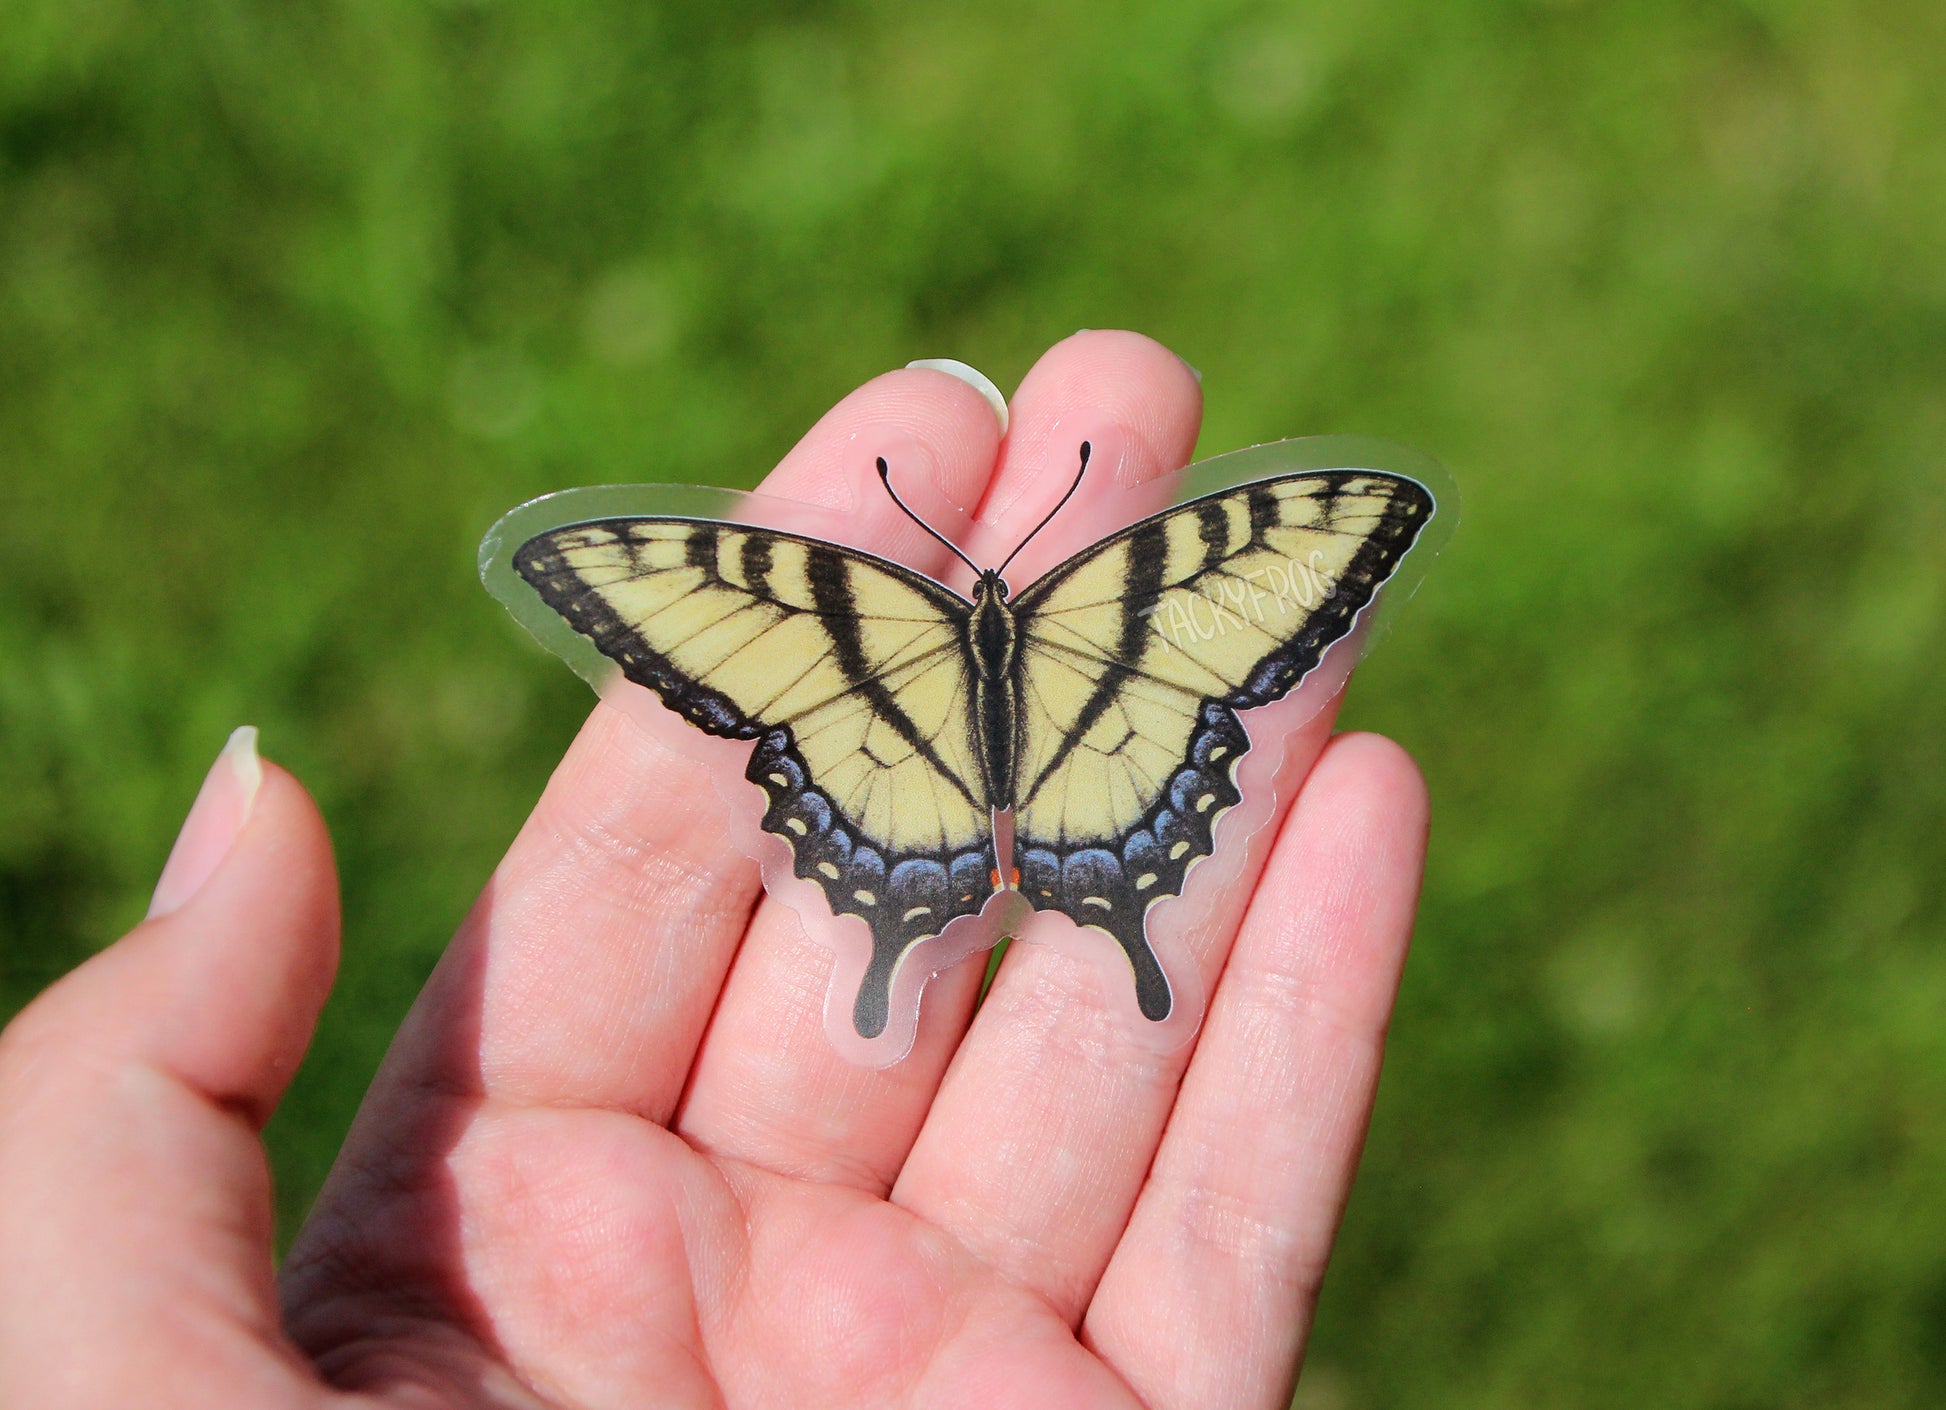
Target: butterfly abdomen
(992, 641)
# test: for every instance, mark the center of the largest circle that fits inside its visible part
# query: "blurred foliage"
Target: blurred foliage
(296, 297)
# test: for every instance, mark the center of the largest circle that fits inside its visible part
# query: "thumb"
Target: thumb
(134, 1196)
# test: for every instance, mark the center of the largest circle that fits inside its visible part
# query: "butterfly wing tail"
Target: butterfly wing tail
(903, 899)
(1109, 884)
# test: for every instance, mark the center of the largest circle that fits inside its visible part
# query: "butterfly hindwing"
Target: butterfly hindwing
(1138, 652)
(846, 669)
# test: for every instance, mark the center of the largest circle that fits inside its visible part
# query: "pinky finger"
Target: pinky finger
(1229, 1239)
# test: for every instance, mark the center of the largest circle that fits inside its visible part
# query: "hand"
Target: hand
(611, 1159)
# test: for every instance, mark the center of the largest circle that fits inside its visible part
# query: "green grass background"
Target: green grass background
(295, 298)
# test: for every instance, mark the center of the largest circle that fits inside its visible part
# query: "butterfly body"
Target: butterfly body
(992, 640)
(894, 717)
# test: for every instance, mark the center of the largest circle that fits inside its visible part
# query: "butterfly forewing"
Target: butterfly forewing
(848, 671)
(1136, 654)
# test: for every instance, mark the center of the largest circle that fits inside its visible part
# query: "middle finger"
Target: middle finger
(768, 1087)
(1044, 1127)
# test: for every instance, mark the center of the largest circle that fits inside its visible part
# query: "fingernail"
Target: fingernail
(221, 809)
(1193, 371)
(973, 378)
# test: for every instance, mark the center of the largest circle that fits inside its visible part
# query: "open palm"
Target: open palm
(612, 1160)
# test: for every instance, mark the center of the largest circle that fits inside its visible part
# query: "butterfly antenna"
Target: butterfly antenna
(1085, 451)
(885, 478)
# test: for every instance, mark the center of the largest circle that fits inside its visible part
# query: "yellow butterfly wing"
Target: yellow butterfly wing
(850, 673)
(1138, 652)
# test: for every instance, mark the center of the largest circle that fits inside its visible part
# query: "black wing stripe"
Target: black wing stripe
(830, 577)
(1264, 513)
(1147, 551)
(757, 560)
(699, 549)
(1213, 527)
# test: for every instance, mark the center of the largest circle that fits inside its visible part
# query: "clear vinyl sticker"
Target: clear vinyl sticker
(930, 739)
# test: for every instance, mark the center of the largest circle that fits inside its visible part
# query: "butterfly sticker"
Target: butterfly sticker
(894, 721)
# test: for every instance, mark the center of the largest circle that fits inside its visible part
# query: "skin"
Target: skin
(611, 1159)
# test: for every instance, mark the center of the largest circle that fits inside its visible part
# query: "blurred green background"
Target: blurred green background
(295, 298)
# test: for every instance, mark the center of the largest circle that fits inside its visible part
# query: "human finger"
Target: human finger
(768, 1087)
(1044, 1182)
(134, 1196)
(1229, 1239)
(1042, 1185)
